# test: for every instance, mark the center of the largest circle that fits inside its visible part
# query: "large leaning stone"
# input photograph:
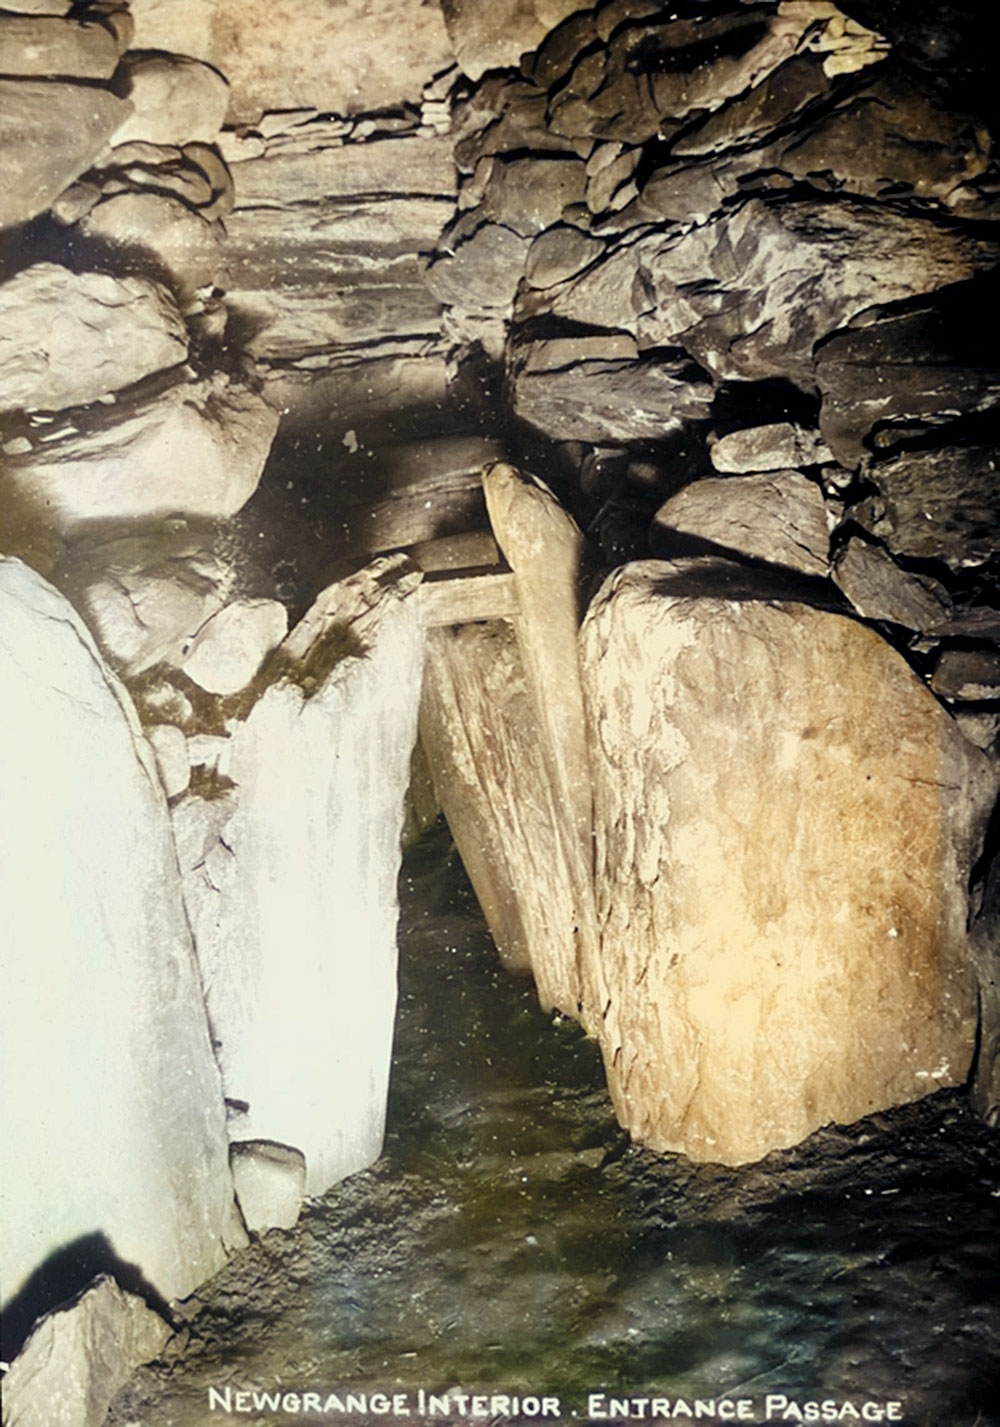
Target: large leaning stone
(113, 1120)
(785, 819)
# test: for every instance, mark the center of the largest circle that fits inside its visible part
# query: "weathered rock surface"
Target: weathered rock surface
(101, 333)
(347, 57)
(291, 881)
(941, 504)
(145, 596)
(495, 36)
(49, 45)
(105, 1038)
(551, 561)
(778, 516)
(50, 133)
(879, 589)
(270, 1183)
(230, 647)
(79, 1356)
(197, 448)
(776, 795)
(175, 99)
(481, 732)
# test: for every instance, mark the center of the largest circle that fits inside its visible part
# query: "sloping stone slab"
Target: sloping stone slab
(292, 890)
(786, 819)
(482, 735)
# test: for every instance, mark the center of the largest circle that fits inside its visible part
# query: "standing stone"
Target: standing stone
(78, 1357)
(113, 1120)
(786, 819)
(291, 877)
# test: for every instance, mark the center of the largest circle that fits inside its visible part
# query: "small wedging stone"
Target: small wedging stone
(101, 333)
(782, 445)
(196, 449)
(969, 675)
(778, 516)
(175, 99)
(270, 1181)
(50, 133)
(879, 589)
(79, 1356)
(560, 253)
(172, 761)
(786, 819)
(230, 647)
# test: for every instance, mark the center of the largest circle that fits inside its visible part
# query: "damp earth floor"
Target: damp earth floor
(510, 1244)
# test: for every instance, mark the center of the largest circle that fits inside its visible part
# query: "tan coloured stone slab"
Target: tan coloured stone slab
(786, 819)
(480, 731)
(551, 560)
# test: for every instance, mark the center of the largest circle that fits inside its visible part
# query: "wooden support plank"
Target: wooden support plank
(462, 596)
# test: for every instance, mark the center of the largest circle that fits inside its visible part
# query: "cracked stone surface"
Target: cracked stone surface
(754, 760)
